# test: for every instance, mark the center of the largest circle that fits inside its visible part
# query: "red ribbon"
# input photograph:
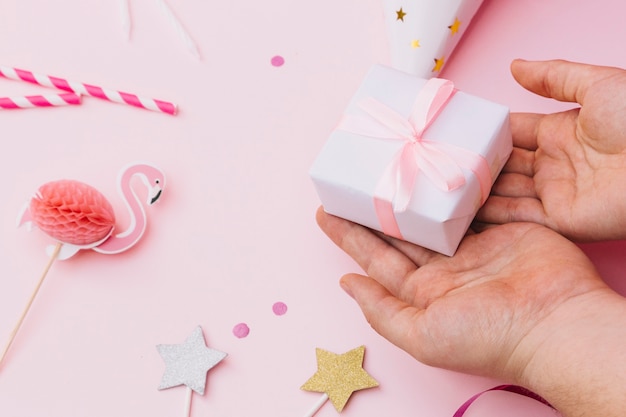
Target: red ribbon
(441, 162)
(510, 388)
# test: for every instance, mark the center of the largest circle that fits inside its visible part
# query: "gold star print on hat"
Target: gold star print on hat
(419, 31)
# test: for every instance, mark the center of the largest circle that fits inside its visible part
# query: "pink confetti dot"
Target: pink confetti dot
(279, 308)
(278, 61)
(241, 330)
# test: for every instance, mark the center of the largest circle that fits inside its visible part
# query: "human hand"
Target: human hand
(503, 306)
(567, 169)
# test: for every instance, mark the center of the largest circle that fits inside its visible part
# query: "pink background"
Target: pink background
(234, 231)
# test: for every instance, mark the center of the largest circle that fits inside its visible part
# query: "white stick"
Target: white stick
(57, 249)
(180, 29)
(188, 402)
(317, 406)
(125, 17)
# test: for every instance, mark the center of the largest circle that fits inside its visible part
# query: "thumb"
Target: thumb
(559, 79)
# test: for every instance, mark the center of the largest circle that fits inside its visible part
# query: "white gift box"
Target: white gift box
(423, 33)
(349, 168)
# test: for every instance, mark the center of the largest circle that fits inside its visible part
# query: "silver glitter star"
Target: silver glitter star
(188, 362)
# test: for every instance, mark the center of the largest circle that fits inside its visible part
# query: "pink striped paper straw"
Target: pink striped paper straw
(88, 90)
(48, 100)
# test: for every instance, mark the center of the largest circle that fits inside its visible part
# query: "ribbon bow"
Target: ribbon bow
(442, 163)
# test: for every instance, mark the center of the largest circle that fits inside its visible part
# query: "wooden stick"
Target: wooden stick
(54, 255)
(317, 406)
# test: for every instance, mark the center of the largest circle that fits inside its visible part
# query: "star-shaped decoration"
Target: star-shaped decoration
(438, 64)
(454, 28)
(400, 14)
(415, 43)
(188, 362)
(339, 375)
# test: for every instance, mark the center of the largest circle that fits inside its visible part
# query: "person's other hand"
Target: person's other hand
(567, 170)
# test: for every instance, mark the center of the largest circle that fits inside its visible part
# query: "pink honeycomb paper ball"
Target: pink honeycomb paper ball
(72, 212)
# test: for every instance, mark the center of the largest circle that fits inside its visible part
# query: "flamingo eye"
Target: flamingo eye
(156, 181)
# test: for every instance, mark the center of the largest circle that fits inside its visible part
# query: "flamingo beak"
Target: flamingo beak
(155, 193)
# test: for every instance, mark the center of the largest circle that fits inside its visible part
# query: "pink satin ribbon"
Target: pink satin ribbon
(510, 388)
(441, 162)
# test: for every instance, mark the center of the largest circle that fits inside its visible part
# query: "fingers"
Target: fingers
(387, 260)
(378, 259)
(521, 162)
(516, 178)
(559, 79)
(514, 185)
(524, 128)
(417, 254)
(500, 210)
(381, 308)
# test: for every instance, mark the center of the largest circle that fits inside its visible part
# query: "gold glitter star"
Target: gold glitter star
(339, 375)
(400, 14)
(438, 64)
(415, 43)
(454, 28)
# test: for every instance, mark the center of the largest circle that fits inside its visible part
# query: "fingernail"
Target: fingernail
(346, 288)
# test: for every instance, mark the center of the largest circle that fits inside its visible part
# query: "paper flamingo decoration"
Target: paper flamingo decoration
(188, 364)
(338, 377)
(79, 217)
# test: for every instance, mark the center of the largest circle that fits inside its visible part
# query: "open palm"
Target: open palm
(568, 169)
(485, 310)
